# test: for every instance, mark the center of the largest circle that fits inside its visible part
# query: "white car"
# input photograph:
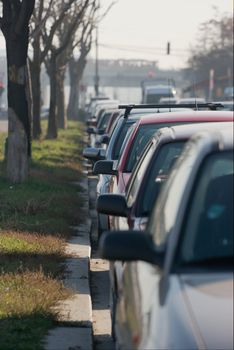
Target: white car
(177, 284)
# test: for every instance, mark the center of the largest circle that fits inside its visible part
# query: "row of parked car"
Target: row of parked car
(165, 198)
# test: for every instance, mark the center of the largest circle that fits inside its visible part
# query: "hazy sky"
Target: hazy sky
(142, 28)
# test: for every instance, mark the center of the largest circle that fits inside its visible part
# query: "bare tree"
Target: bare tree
(76, 70)
(40, 15)
(14, 24)
(78, 61)
(214, 51)
(56, 49)
(45, 23)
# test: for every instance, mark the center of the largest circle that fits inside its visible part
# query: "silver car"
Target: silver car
(177, 285)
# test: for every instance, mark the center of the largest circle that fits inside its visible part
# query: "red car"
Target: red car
(143, 130)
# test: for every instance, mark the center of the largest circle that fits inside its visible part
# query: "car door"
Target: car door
(144, 285)
(136, 299)
(141, 293)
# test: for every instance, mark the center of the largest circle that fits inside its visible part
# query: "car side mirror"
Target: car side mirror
(91, 130)
(100, 131)
(105, 139)
(91, 122)
(129, 246)
(112, 204)
(94, 154)
(104, 167)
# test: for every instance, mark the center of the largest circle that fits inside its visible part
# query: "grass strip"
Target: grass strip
(35, 221)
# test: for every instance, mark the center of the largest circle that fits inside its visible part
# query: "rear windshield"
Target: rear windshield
(155, 98)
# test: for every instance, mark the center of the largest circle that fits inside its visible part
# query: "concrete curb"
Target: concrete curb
(75, 313)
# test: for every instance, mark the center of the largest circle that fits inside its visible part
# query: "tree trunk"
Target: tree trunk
(15, 27)
(29, 97)
(52, 131)
(73, 104)
(76, 69)
(62, 116)
(36, 91)
(19, 130)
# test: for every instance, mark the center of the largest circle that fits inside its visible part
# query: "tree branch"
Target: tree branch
(49, 38)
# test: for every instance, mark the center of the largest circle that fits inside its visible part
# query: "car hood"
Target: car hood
(209, 298)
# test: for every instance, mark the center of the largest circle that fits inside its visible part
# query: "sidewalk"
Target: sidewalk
(74, 331)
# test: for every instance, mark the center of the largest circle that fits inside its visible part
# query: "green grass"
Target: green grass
(35, 221)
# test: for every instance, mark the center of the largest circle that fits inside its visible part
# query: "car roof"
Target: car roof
(136, 111)
(187, 116)
(106, 101)
(159, 88)
(222, 137)
(188, 99)
(186, 131)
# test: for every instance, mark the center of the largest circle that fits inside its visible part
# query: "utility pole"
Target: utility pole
(168, 48)
(96, 78)
(211, 85)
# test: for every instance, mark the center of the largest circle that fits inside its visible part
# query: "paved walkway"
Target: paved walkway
(75, 314)
(84, 322)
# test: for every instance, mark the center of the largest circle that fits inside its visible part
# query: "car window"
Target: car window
(115, 132)
(164, 214)
(120, 138)
(103, 121)
(144, 133)
(114, 125)
(128, 135)
(138, 173)
(208, 230)
(157, 174)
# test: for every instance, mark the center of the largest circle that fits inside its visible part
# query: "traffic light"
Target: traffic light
(168, 48)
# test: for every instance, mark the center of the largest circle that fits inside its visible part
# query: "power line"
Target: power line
(151, 51)
(143, 47)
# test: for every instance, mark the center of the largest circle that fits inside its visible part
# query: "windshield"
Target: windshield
(155, 98)
(208, 231)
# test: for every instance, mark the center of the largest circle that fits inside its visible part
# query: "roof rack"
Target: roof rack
(128, 108)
